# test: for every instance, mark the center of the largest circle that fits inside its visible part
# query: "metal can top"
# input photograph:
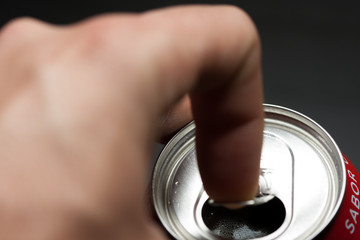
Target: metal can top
(300, 164)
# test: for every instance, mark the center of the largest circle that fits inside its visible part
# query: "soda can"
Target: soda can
(314, 188)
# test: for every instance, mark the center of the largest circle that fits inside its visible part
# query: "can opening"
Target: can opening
(245, 223)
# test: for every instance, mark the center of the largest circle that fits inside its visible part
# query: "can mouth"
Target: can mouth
(244, 223)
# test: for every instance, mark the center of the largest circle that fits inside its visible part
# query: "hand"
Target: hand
(81, 105)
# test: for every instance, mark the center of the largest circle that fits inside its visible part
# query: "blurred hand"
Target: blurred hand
(81, 105)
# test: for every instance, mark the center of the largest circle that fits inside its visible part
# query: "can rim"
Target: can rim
(285, 113)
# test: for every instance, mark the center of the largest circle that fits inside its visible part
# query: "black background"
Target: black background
(311, 53)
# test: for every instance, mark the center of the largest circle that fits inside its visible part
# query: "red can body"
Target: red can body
(346, 224)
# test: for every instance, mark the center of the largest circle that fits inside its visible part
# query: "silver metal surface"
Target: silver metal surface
(302, 166)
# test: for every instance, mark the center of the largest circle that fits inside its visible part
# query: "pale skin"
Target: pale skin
(82, 104)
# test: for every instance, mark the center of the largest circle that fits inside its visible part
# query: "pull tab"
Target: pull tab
(263, 195)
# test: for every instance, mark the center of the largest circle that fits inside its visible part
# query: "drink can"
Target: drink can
(315, 188)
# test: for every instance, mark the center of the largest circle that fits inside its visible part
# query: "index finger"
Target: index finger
(214, 53)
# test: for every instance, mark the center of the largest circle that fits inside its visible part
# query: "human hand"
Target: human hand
(81, 105)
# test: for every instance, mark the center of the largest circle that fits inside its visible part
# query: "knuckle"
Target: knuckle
(106, 31)
(22, 48)
(243, 26)
(246, 22)
(19, 30)
(18, 26)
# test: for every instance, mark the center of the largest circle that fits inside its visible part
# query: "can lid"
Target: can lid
(300, 163)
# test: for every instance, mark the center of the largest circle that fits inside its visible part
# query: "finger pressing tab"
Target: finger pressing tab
(213, 53)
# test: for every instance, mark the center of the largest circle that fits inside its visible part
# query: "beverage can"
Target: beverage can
(314, 187)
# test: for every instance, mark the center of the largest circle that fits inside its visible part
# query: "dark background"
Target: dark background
(311, 53)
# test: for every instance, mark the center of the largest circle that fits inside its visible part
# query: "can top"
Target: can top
(300, 164)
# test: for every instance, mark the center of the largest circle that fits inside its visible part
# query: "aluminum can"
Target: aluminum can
(316, 188)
